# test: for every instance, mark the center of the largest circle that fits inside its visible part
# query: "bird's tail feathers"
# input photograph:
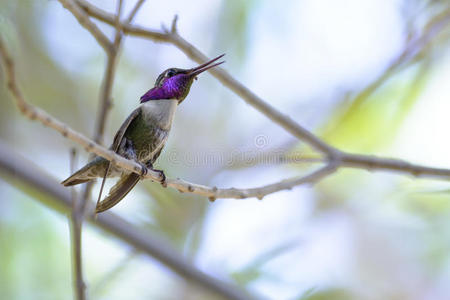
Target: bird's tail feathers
(118, 191)
(77, 177)
(86, 173)
(74, 181)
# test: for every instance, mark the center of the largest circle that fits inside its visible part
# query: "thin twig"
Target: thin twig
(134, 11)
(372, 163)
(76, 221)
(76, 243)
(118, 34)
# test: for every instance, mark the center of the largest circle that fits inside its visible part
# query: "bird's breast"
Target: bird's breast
(160, 112)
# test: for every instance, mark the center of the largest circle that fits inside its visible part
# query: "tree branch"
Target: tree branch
(76, 225)
(134, 11)
(19, 171)
(76, 222)
(412, 50)
(372, 162)
(223, 76)
(337, 157)
(346, 159)
(213, 193)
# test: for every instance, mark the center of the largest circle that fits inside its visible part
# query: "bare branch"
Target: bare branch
(372, 163)
(36, 113)
(173, 28)
(75, 222)
(347, 159)
(118, 35)
(134, 11)
(108, 18)
(285, 184)
(19, 170)
(76, 228)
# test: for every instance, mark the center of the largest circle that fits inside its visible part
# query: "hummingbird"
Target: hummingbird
(143, 134)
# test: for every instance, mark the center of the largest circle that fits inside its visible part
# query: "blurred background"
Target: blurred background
(368, 76)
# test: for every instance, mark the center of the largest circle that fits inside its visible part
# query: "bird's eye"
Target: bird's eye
(170, 73)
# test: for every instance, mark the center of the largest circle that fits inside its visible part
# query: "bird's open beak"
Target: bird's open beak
(202, 68)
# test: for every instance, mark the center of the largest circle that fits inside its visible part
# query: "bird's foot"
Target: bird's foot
(161, 174)
(144, 169)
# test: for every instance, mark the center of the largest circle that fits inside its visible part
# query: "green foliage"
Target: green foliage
(372, 119)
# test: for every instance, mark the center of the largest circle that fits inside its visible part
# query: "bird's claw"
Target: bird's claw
(161, 174)
(144, 169)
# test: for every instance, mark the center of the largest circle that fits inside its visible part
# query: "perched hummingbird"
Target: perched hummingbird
(143, 134)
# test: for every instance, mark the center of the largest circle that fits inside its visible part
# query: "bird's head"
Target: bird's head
(175, 83)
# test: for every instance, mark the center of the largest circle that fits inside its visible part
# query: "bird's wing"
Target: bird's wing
(127, 182)
(118, 191)
(123, 128)
(156, 155)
